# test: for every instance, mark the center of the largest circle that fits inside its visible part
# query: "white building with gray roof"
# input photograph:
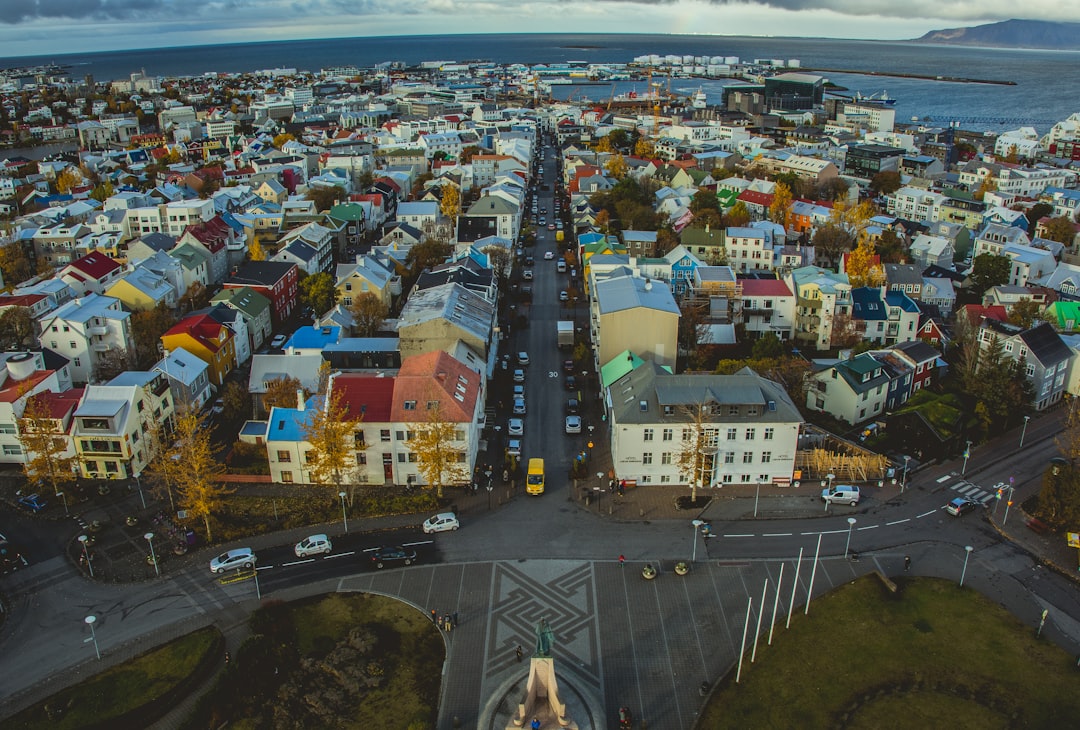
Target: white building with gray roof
(637, 314)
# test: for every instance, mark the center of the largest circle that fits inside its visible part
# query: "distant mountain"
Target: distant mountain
(1011, 34)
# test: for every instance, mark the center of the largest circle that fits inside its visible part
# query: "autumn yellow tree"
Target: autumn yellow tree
(738, 215)
(863, 268)
(331, 430)
(281, 139)
(256, 251)
(440, 458)
(368, 311)
(69, 178)
(451, 202)
(281, 392)
(49, 459)
(616, 166)
(198, 484)
(603, 221)
(604, 145)
(697, 449)
(163, 466)
(645, 148)
(781, 204)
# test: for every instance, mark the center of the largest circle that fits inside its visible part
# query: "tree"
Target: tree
(331, 431)
(645, 148)
(49, 461)
(499, 258)
(236, 400)
(281, 139)
(1024, 312)
(603, 221)
(451, 202)
(147, 327)
(704, 200)
(665, 240)
(368, 311)
(603, 145)
(697, 449)
(318, 292)
(616, 166)
(833, 188)
(440, 460)
(281, 393)
(862, 267)
(708, 218)
(325, 197)
(466, 155)
(738, 216)
(693, 326)
(17, 328)
(891, 249)
(14, 264)
(69, 178)
(427, 254)
(1036, 213)
(109, 364)
(831, 242)
(767, 346)
(886, 182)
(163, 466)
(847, 331)
(255, 251)
(988, 270)
(196, 297)
(198, 483)
(781, 203)
(102, 191)
(1060, 229)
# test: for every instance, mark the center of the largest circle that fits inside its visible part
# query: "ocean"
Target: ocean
(1046, 87)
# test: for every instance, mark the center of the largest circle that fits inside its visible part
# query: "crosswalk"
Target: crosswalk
(972, 491)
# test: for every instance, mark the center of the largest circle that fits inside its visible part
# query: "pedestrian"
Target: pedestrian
(434, 617)
(535, 725)
(227, 657)
(518, 652)
(453, 619)
(907, 563)
(622, 559)
(446, 622)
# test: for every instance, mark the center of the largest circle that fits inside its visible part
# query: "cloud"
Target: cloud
(18, 11)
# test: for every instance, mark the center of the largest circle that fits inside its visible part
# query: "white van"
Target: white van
(842, 493)
(560, 265)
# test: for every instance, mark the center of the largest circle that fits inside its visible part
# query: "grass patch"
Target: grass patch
(340, 660)
(121, 692)
(866, 658)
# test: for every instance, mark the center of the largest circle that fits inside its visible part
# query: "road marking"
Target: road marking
(833, 532)
(927, 514)
(807, 533)
(898, 522)
(340, 555)
(776, 534)
(264, 567)
(296, 562)
(738, 535)
(944, 479)
(868, 527)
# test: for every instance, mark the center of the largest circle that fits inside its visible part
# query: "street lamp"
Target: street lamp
(850, 527)
(697, 526)
(903, 482)
(1023, 432)
(153, 556)
(142, 497)
(599, 489)
(63, 498)
(86, 553)
(967, 554)
(967, 455)
(344, 515)
(93, 636)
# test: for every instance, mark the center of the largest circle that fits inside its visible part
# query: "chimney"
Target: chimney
(299, 399)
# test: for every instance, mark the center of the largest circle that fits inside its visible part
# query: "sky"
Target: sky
(45, 27)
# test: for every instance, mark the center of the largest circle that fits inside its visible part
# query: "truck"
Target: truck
(566, 334)
(534, 483)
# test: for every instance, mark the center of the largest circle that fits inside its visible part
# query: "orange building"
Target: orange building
(207, 339)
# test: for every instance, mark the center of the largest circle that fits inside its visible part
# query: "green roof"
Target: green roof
(347, 212)
(618, 366)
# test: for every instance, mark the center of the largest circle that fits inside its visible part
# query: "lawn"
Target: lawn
(866, 658)
(339, 660)
(116, 695)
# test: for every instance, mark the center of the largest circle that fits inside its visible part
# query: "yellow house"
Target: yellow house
(207, 339)
(141, 290)
(366, 276)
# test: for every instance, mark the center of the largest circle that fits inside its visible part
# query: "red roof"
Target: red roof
(435, 376)
(12, 390)
(60, 404)
(365, 396)
(765, 288)
(203, 328)
(976, 313)
(20, 300)
(213, 234)
(94, 265)
(753, 196)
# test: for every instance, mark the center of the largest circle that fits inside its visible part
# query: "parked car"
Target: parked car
(313, 545)
(961, 506)
(519, 406)
(516, 427)
(513, 447)
(573, 424)
(519, 376)
(843, 493)
(392, 556)
(527, 275)
(238, 558)
(564, 296)
(523, 358)
(442, 522)
(32, 502)
(571, 382)
(278, 341)
(549, 255)
(568, 366)
(572, 407)
(519, 390)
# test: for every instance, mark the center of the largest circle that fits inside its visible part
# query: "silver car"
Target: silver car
(238, 558)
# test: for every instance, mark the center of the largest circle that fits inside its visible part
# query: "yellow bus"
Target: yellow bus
(534, 483)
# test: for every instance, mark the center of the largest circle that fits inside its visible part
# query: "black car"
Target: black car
(572, 407)
(571, 382)
(392, 556)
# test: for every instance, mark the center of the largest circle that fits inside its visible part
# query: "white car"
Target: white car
(523, 359)
(513, 447)
(519, 406)
(573, 424)
(238, 558)
(549, 255)
(519, 390)
(313, 545)
(516, 427)
(278, 341)
(519, 376)
(442, 522)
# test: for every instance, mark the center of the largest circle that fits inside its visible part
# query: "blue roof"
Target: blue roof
(286, 424)
(254, 428)
(902, 300)
(311, 338)
(866, 304)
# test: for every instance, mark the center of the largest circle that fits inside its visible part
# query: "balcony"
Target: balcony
(97, 330)
(101, 346)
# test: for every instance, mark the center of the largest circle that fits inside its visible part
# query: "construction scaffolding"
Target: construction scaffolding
(857, 465)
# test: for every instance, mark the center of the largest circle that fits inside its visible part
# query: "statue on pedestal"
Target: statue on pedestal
(542, 705)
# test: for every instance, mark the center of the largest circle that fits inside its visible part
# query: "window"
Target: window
(687, 434)
(12, 450)
(665, 458)
(410, 405)
(384, 434)
(732, 434)
(763, 478)
(745, 478)
(727, 478)
(733, 410)
(646, 457)
(7, 428)
(667, 435)
(412, 457)
(72, 344)
(310, 456)
(748, 457)
(665, 478)
(111, 467)
(729, 457)
(648, 434)
(284, 457)
(401, 458)
(769, 433)
(361, 459)
(433, 405)
(286, 477)
(766, 457)
(750, 434)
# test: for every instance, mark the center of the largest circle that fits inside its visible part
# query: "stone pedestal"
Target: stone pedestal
(542, 699)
